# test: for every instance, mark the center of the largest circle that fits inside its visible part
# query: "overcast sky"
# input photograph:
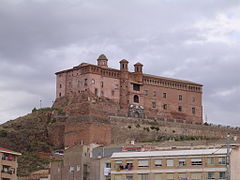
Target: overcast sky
(197, 40)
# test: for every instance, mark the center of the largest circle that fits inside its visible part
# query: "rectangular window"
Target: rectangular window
(154, 93)
(180, 108)
(158, 177)
(170, 176)
(194, 110)
(129, 165)
(222, 160)
(222, 175)
(164, 95)
(182, 176)
(136, 87)
(145, 92)
(196, 176)
(181, 162)
(108, 165)
(170, 162)
(211, 175)
(180, 98)
(165, 106)
(158, 163)
(116, 86)
(107, 177)
(96, 91)
(196, 162)
(154, 105)
(85, 82)
(118, 177)
(143, 163)
(118, 165)
(143, 177)
(193, 99)
(210, 161)
(129, 177)
(101, 84)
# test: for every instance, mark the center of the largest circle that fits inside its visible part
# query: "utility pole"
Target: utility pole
(228, 175)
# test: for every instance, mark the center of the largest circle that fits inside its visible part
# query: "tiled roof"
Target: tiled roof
(4, 150)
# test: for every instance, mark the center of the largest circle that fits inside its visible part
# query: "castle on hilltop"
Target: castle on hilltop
(137, 94)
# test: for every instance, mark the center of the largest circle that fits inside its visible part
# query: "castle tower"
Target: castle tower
(138, 68)
(124, 83)
(102, 61)
(138, 72)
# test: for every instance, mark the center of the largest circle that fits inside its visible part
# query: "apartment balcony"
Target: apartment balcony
(8, 176)
(9, 163)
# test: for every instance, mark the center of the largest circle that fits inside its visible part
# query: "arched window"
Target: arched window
(136, 99)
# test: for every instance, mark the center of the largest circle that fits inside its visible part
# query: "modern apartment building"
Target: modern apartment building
(8, 164)
(195, 164)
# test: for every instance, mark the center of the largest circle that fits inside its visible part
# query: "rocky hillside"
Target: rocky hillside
(28, 135)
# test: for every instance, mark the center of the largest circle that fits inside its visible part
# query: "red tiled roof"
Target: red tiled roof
(9, 151)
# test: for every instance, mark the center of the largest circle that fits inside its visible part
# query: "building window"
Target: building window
(210, 161)
(143, 177)
(145, 92)
(113, 92)
(182, 176)
(129, 165)
(143, 163)
(60, 94)
(96, 91)
(60, 85)
(158, 177)
(165, 106)
(164, 95)
(170, 162)
(181, 162)
(154, 93)
(136, 99)
(107, 177)
(129, 177)
(196, 176)
(154, 105)
(85, 82)
(196, 162)
(116, 86)
(70, 84)
(118, 165)
(101, 84)
(136, 87)
(118, 177)
(180, 108)
(193, 99)
(194, 110)
(170, 176)
(158, 163)
(222, 175)
(222, 160)
(180, 98)
(107, 165)
(211, 175)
